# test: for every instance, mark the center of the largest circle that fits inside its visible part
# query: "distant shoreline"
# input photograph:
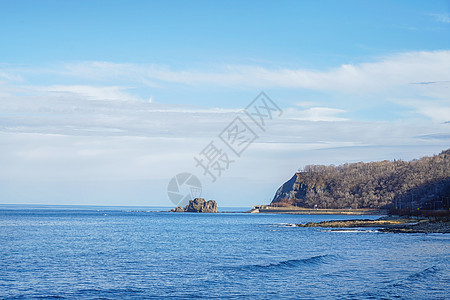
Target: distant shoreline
(307, 211)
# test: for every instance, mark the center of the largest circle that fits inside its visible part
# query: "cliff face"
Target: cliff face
(294, 188)
(370, 185)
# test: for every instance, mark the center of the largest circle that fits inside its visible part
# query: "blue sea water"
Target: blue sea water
(121, 253)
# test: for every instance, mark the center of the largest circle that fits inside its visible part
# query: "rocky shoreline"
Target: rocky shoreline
(294, 210)
(392, 225)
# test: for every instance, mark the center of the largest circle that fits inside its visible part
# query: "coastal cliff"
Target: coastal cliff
(418, 184)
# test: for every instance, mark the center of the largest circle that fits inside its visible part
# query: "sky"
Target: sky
(104, 102)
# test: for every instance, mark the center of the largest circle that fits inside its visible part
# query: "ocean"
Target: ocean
(81, 252)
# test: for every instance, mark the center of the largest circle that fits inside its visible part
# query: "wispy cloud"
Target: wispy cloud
(92, 92)
(444, 18)
(85, 138)
(83, 122)
(439, 112)
(135, 140)
(381, 74)
(387, 72)
(422, 76)
(316, 114)
(10, 77)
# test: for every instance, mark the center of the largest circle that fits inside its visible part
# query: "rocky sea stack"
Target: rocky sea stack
(198, 205)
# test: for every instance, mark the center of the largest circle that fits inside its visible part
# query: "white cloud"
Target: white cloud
(92, 92)
(436, 110)
(96, 111)
(315, 114)
(73, 143)
(441, 114)
(388, 72)
(444, 18)
(10, 77)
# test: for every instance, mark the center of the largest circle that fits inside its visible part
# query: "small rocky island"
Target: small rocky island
(198, 205)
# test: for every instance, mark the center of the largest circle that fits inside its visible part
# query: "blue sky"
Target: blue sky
(189, 33)
(102, 102)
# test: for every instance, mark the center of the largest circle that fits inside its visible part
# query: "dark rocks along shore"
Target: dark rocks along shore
(389, 225)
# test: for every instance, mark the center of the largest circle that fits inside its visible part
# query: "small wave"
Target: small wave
(290, 263)
(417, 277)
(424, 273)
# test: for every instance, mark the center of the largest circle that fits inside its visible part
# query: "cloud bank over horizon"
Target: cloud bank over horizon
(104, 133)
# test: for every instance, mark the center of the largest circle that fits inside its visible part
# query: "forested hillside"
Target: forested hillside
(420, 183)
